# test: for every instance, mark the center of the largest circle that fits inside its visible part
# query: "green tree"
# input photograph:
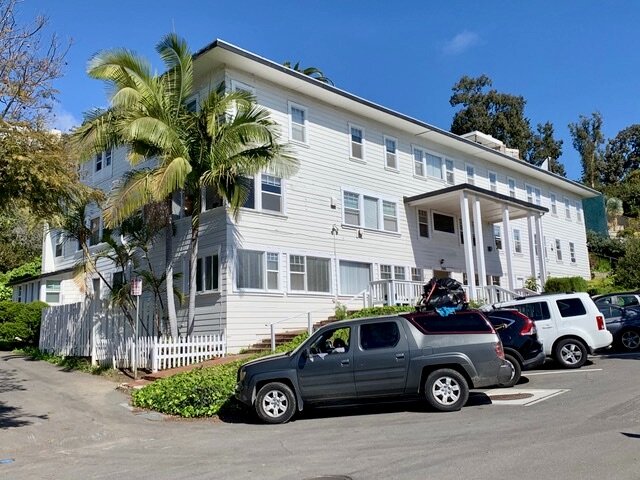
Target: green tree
(622, 155)
(500, 115)
(215, 145)
(544, 146)
(312, 72)
(627, 273)
(587, 140)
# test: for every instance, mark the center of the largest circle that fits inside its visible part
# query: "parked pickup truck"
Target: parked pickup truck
(414, 354)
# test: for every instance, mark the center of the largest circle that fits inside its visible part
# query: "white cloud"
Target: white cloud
(63, 120)
(460, 43)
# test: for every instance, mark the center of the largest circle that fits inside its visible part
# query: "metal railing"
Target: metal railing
(272, 326)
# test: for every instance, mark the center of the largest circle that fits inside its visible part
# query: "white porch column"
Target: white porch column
(542, 264)
(468, 245)
(480, 258)
(532, 244)
(506, 235)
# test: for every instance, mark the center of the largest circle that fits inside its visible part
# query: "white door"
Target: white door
(545, 324)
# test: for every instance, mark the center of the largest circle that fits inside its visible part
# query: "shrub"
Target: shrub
(20, 320)
(379, 311)
(627, 273)
(340, 311)
(565, 284)
(27, 270)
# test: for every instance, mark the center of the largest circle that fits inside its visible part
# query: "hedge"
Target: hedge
(565, 284)
(208, 391)
(20, 320)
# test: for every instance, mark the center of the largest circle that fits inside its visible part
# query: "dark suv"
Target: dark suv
(408, 355)
(520, 341)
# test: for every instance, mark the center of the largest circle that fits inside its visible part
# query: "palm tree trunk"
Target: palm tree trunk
(168, 270)
(193, 259)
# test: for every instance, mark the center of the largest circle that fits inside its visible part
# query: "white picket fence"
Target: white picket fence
(106, 335)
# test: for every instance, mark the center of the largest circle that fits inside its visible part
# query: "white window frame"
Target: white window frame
(470, 180)
(517, 242)
(339, 277)
(578, 205)
(306, 277)
(493, 185)
(388, 271)
(257, 191)
(513, 193)
(400, 271)
(238, 85)
(394, 155)
(99, 219)
(558, 250)
(417, 274)
(305, 127)
(553, 201)
(57, 291)
(381, 216)
(108, 157)
(58, 243)
(202, 256)
(265, 270)
(572, 253)
(449, 171)
(363, 144)
(497, 234)
(428, 222)
(435, 232)
(423, 162)
(567, 208)
(534, 194)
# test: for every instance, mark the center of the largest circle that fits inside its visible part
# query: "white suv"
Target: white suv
(569, 325)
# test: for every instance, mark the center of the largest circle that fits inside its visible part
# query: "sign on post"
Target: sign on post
(136, 287)
(136, 291)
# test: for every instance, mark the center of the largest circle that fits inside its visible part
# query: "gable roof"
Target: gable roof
(220, 52)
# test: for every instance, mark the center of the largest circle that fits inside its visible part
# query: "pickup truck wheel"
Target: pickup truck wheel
(570, 353)
(446, 390)
(275, 403)
(516, 371)
(630, 340)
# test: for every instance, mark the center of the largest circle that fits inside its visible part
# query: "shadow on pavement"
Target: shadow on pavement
(631, 435)
(13, 417)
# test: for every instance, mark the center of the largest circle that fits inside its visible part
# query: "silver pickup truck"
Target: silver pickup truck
(413, 354)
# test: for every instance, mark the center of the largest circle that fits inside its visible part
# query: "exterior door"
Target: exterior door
(327, 372)
(546, 326)
(381, 359)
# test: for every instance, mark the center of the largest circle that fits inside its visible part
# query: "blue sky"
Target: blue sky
(566, 58)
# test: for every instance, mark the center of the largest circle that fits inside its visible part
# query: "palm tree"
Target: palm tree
(614, 211)
(216, 145)
(312, 72)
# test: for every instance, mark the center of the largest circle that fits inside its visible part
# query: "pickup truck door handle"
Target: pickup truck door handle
(399, 356)
(344, 362)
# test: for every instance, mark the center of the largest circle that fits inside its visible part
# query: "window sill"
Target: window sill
(425, 178)
(208, 292)
(370, 230)
(256, 291)
(298, 293)
(298, 143)
(264, 212)
(389, 169)
(358, 160)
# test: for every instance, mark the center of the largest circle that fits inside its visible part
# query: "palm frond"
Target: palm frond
(170, 177)
(131, 193)
(98, 132)
(178, 60)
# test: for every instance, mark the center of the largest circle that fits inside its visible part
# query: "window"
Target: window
(398, 273)
(354, 277)
(98, 162)
(117, 281)
(251, 267)
(271, 193)
(379, 335)
(211, 198)
(579, 211)
(449, 168)
(534, 195)
(298, 123)
(567, 208)
(536, 245)
(471, 174)
(310, 274)
(385, 272)
(391, 153)
(572, 252)
(59, 244)
(517, 241)
(249, 184)
(370, 212)
(107, 158)
(554, 206)
(535, 310)
(94, 226)
(571, 307)
(192, 105)
(357, 142)
(473, 233)
(427, 164)
(207, 273)
(512, 187)
(558, 250)
(444, 223)
(332, 342)
(52, 291)
(497, 237)
(423, 223)
(273, 271)
(19, 299)
(417, 274)
(493, 181)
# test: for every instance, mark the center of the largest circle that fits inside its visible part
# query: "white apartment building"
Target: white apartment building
(381, 202)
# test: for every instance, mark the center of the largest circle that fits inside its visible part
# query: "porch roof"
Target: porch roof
(447, 200)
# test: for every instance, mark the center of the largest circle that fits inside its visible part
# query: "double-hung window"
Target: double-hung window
(391, 152)
(356, 136)
(497, 237)
(471, 174)
(493, 181)
(399, 273)
(534, 195)
(417, 274)
(298, 123)
(511, 183)
(94, 227)
(309, 274)
(448, 164)
(370, 212)
(385, 272)
(558, 250)
(567, 208)
(257, 270)
(210, 199)
(207, 273)
(59, 244)
(572, 252)
(427, 164)
(579, 211)
(517, 241)
(554, 203)
(269, 197)
(98, 162)
(52, 291)
(354, 277)
(423, 223)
